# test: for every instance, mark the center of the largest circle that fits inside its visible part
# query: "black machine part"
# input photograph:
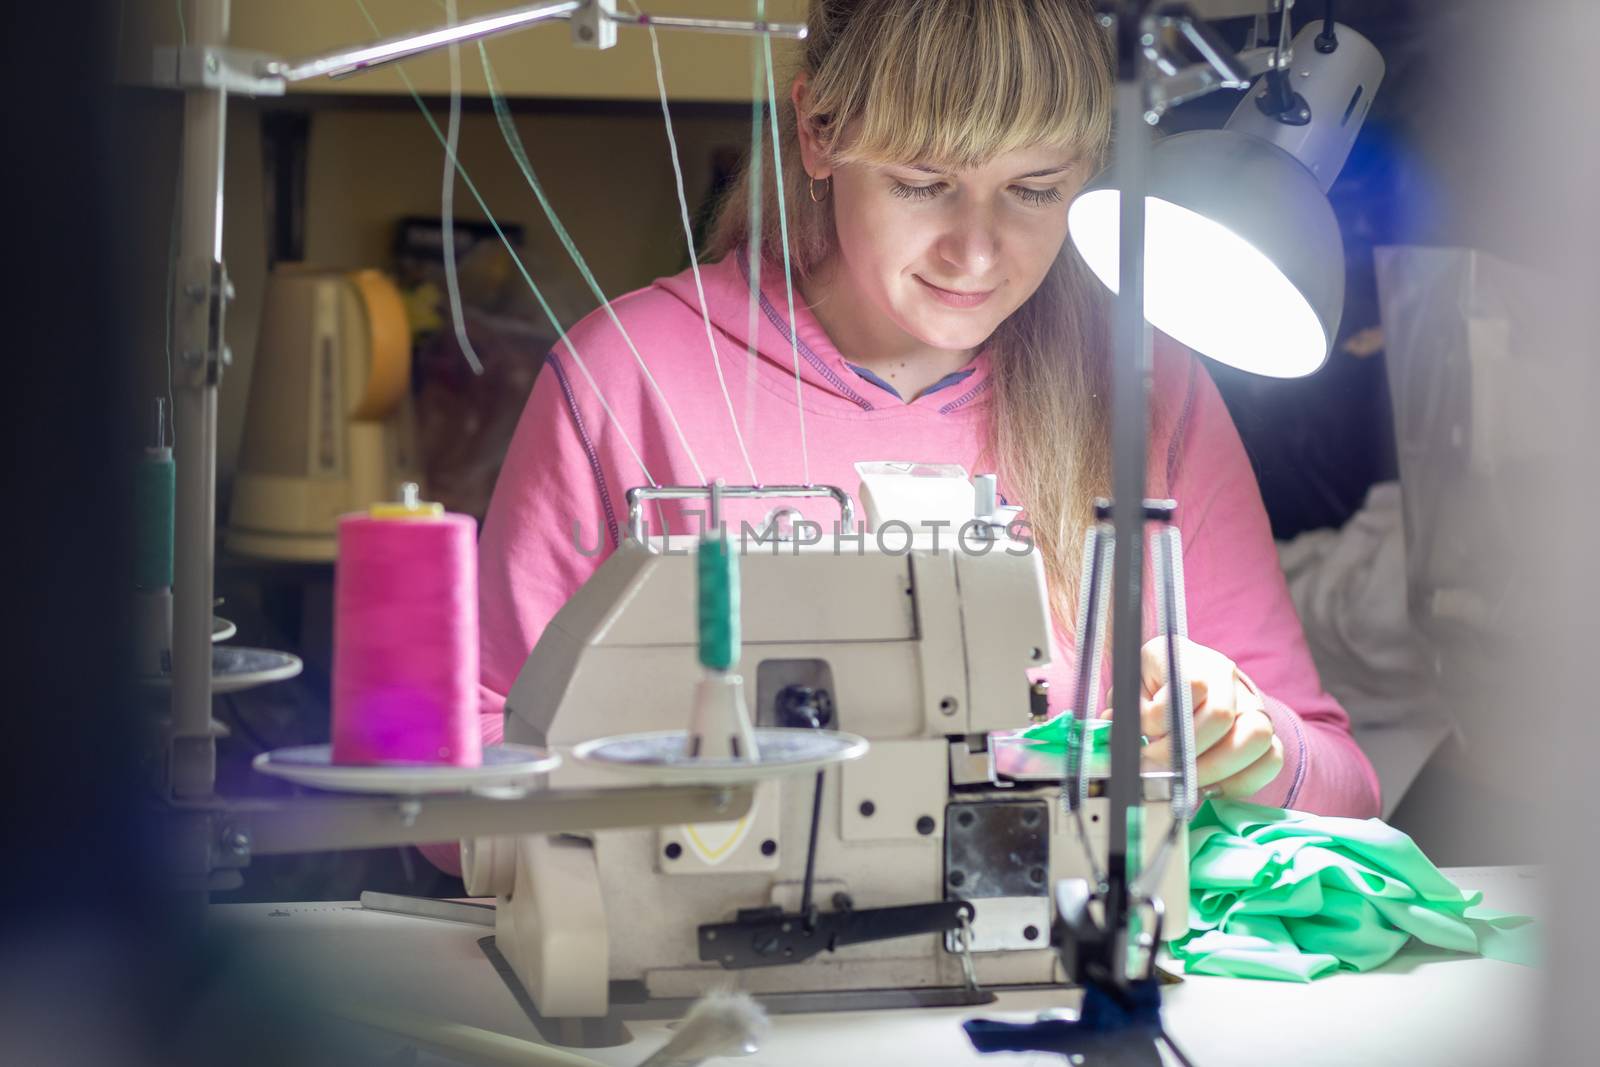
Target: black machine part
(784, 688)
(769, 936)
(997, 849)
(997, 855)
(804, 707)
(766, 937)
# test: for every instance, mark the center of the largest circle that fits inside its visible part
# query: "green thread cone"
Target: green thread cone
(718, 573)
(155, 489)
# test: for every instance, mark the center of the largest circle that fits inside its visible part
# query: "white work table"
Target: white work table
(1423, 1007)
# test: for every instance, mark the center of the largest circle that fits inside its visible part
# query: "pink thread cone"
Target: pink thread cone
(405, 659)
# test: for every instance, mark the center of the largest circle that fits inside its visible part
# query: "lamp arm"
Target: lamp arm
(1327, 40)
(1206, 41)
(1171, 81)
(1280, 101)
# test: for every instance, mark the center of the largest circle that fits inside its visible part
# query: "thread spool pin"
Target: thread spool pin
(160, 438)
(716, 505)
(410, 495)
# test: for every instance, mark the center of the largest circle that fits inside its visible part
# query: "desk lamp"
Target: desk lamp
(1242, 256)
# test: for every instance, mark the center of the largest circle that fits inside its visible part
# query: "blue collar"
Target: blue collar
(955, 377)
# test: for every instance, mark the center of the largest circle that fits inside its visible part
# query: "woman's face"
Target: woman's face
(947, 254)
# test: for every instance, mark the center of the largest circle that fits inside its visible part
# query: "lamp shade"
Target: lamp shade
(1243, 259)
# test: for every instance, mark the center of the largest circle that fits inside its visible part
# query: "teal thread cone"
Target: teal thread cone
(154, 489)
(718, 573)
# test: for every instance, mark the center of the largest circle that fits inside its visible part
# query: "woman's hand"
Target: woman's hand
(1236, 749)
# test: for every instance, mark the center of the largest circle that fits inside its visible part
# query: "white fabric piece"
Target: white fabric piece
(916, 494)
(1349, 588)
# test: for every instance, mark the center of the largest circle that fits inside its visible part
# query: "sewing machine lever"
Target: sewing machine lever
(767, 937)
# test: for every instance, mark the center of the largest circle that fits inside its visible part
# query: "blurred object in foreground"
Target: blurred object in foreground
(1349, 589)
(1474, 375)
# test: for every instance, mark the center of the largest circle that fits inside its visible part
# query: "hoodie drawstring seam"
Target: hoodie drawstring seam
(964, 399)
(805, 350)
(588, 446)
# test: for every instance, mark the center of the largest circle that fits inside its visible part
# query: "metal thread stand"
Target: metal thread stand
(1166, 550)
(200, 304)
(1130, 392)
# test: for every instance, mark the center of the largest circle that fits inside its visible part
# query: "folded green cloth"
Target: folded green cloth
(1290, 896)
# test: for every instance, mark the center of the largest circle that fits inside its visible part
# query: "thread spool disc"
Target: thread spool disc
(312, 765)
(222, 629)
(235, 668)
(658, 756)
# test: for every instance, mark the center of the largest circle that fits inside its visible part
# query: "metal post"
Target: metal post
(1130, 383)
(199, 299)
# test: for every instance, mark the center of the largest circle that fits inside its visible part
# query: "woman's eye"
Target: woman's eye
(917, 192)
(1051, 195)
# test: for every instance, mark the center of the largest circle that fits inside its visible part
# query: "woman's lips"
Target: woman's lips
(953, 297)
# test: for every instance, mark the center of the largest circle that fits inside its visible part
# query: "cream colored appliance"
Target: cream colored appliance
(329, 427)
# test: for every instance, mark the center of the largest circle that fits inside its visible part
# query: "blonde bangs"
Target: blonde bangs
(970, 80)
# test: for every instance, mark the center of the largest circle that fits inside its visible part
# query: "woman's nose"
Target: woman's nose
(971, 246)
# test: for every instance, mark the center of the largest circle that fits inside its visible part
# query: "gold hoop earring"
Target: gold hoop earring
(815, 199)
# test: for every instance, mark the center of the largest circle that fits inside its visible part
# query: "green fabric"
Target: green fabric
(1289, 896)
(1063, 730)
(1061, 734)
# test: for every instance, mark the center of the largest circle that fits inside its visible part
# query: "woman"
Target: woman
(931, 148)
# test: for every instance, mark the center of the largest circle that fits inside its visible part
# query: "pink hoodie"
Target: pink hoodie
(568, 463)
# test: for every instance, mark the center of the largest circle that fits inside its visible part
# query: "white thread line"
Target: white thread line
(508, 131)
(511, 250)
(788, 280)
(753, 250)
(447, 201)
(694, 260)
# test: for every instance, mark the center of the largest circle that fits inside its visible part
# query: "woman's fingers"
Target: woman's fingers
(1250, 738)
(1153, 665)
(1198, 661)
(1154, 715)
(1153, 709)
(1211, 725)
(1235, 750)
(1255, 777)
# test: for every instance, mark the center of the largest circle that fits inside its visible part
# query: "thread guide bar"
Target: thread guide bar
(594, 24)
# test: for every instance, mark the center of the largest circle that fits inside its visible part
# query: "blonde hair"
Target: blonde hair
(957, 83)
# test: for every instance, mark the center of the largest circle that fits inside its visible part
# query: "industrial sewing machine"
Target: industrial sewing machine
(854, 879)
